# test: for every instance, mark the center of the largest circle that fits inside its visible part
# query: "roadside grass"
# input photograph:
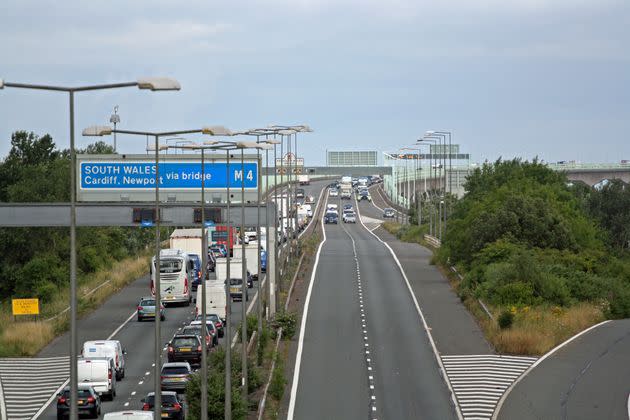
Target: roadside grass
(26, 338)
(534, 331)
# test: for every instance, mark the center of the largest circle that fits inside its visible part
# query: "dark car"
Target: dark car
(88, 402)
(172, 406)
(299, 193)
(211, 262)
(146, 309)
(218, 323)
(263, 261)
(331, 218)
(185, 348)
(212, 338)
(175, 376)
(196, 281)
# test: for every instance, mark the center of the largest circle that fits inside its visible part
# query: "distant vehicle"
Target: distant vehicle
(236, 289)
(304, 180)
(332, 208)
(389, 213)
(333, 192)
(146, 309)
(185, 348)
(211, 260)
(299, 193)
(107, 348)
(211, 336)
(176, 270)
(263, 261)
(216, 300)
(218, 323)
(363, 182)
(364, 195)
(349, 217)
(196, 279)
(331, 218)
(219, 235)
(172, 406)
(175, 375)
(346, 190)
(346, 179)
(347, 207)
(88, 402)
(251, 259)
(309, 199)
(99, 373)
(128, 415)
(211, 328)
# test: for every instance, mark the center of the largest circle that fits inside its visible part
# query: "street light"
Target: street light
(105, 130)
(151, 83)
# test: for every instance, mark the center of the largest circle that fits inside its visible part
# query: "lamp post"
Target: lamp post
(213, 130)
(154, 84)
(432, 218)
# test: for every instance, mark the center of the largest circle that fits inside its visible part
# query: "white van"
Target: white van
(99, 373)
(216, 300)
(107, 348)
(177, 271)
(129, 415)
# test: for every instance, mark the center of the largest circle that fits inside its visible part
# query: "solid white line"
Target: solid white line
(120, 327)
(539, 361)
(298, 357)
(424, 322)
(629, 406)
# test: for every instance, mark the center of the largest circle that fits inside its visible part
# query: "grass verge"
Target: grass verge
(26, 338)
(534, 330)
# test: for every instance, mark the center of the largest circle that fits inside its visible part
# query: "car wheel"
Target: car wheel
(60, 416)
(162, 317)
(139, 319)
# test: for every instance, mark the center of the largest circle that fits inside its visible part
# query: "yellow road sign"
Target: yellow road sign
(25, 306)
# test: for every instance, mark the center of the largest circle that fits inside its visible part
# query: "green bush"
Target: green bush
(278, 380)
(288, 322)
(45, 291)
(505, 320)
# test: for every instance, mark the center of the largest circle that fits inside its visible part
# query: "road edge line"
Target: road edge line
(537, 362)
(298, 356)
(458, 410)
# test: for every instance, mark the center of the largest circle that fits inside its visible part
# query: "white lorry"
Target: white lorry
(236, 273)
(188, 240)
(346, 190)
(216, 301)
(251, 257)
(304, 180)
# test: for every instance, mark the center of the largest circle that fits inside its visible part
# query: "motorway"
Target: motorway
(117, 317)
(588, 378)
(364, 352)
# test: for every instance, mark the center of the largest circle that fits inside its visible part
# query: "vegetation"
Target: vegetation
(525, 237)
(34, 261)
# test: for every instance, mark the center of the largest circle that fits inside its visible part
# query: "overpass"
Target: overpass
(593, 173)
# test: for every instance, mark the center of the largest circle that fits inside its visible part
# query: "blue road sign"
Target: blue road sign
(128, 175)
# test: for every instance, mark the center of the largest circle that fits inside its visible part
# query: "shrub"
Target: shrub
(517, 293)
(288, 322)
(278, 381)
(506, 319)
(45, 291)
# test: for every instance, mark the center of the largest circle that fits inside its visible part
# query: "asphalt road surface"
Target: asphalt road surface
(589, 378)
(365, 352)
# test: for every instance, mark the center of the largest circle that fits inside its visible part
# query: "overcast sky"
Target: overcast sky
(509, 77)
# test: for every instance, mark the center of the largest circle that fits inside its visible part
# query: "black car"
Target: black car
(331, 218)
(172, 406)
(218, 323)
(185, 348)
(88, 402)
(299, 193)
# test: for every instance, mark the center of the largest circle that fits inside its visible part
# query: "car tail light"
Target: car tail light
(218, 324)
(152, 288)
(186, 285)
(199, 274)
(177, 406)
(170, 349)
(146, 407)
(198, 348)
(91, 400)
(196, 312)
(62, 400)
(109, 374)
(140, 308)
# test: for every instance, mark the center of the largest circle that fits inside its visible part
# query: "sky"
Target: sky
(509, 78)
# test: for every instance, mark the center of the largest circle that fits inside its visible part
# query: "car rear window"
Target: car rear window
(170, 399)
(147, 302)
(186, 342)
(236, 282)
(175, 370)
(192, 330)
(82, 393)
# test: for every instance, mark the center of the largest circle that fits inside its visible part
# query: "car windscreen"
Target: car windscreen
(170, 265)
(185, 342)
(175, 370)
